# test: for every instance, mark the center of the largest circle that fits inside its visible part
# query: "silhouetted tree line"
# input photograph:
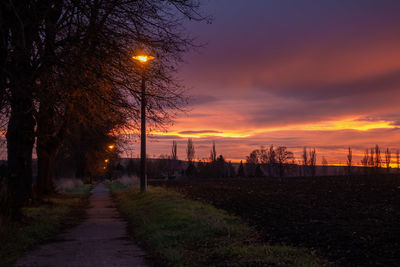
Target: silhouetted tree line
(269, 162)
(263, 162)
(213, 167)
(373, 162)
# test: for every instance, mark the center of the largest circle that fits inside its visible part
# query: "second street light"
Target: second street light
(143, 60)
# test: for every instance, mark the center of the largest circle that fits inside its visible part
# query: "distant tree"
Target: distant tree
(254, 157)
(305, 161)
(349, 161)
(264, 155)
(378, 158)
(221, 167)
(241, 170)
(252, 161)
(271, 155)
(371, 161)
(213, 154)
(190, 151)
(365, 159)
(388, 158)
(282, 156)
(174, 155)
(312, 161)
(272, 160)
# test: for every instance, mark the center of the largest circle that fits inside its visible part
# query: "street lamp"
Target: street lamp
(143, 59)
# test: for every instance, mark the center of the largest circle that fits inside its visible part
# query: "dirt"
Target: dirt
(352, 221)
(100, 240)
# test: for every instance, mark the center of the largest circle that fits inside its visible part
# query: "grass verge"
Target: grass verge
(183, 232)
(41, 223)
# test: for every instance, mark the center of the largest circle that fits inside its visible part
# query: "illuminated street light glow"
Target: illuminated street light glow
(143, 58)
(111, 146)
(106, 160)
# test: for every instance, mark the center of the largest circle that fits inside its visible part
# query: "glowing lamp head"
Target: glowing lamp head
(106, 161)
(143, 58)
(111, 146)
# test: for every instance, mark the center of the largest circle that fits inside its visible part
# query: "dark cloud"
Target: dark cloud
(388, 83)
(393, 118)
(201, 100)
(200, 132)
(307, 111)
(165, 137)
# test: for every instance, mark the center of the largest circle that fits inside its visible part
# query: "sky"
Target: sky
(295, 73)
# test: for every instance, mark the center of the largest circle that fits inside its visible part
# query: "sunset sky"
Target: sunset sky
(323, 74)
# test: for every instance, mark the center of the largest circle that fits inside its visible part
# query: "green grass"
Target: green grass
(190, 233)
(41, 223)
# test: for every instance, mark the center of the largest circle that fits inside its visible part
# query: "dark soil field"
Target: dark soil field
(349, 221)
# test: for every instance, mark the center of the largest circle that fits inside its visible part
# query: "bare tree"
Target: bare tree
(213, 154)
(378, 158)
(240, 172)
(252, 162)
(305, 161)
(283, 156)
(388, 158)
(264, 155)
(349, 161)
(371, 161)
(313, 161)
(174, 155)
(272, 160)
(190, 151)
(365, 161)
(272, 155)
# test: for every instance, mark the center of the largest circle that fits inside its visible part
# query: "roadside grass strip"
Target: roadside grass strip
(182, 232)
(41, 222)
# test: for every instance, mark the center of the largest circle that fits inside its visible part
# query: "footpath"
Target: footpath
(100, 240)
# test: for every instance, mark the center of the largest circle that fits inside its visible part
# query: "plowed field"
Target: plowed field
(350, 221)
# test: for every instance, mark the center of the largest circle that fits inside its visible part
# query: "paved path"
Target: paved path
(101, 240)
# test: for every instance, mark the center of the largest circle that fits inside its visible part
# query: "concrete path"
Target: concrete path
(101, 240)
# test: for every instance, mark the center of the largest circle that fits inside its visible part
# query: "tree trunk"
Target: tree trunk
(46, 150)
(46, 158)
(20, 139)
(48, 143)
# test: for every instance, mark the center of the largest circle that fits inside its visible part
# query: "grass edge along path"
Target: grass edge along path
(184, 232)
(43, 222)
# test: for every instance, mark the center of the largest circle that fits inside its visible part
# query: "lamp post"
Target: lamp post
(143, 59)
